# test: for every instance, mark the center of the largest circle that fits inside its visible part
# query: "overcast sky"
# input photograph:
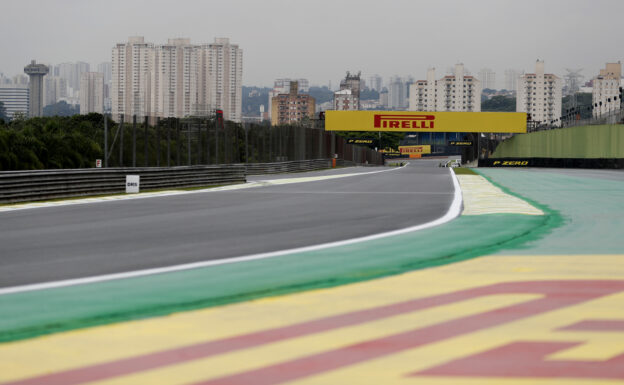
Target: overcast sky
(321, 39)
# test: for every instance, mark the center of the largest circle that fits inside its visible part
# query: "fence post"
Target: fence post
(145, 142)
(188, 143)
(121, 143)
(177, 123)
(169, 142)
(133, 140)
(158, 142)
(105, 141)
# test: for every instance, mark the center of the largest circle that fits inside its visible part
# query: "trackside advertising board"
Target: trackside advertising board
(423, 149)
(413, 121)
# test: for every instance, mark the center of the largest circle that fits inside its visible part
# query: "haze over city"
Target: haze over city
(321, 40)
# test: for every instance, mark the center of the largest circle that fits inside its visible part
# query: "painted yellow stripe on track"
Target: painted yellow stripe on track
(585, 346)
(481, 197)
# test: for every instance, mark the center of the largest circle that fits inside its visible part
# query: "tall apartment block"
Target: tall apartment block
(292, 107)
(511, 79)
(488, 78)
(177, 79)
(36, 72)
(606, 89)
(131, 73)
(456, 92)
(226, 78)
(539, 94)
(91, 92)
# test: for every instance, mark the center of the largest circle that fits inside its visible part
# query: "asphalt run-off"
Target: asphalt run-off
(524, 287)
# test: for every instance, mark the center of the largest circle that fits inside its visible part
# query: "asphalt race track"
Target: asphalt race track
(56, 243)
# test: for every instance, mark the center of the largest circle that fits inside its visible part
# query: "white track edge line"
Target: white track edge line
(453, 212)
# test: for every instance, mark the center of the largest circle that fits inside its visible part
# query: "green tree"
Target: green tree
(499, 103)
(3, 113)
(61, 108)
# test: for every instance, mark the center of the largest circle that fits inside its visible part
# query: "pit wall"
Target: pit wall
(583, 142)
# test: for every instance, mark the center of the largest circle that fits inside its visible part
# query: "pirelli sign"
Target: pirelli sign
(411, 121)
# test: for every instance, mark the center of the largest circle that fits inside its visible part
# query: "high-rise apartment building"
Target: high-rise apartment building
(456, 92)
(487, 77)
(226, 78)
(131, 73)
(176, 79)
(606, 89)
(72, 72)
(511, 79)
(375, 82)
(397, 93)
(36, 72)
(292, 107)
(91, 92)
(106, 68)
(539, 94)
(54, 89)
(15, 99)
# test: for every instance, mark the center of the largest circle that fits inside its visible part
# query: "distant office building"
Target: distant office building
(291, 107)
(282, 86)
(539, 94)
(348, 97)
(457, 92)
(606, 89)
(15, 99)
(131, 70)
(375, 82)
(91, 93)
(36, 72)
(488, 79)
(55, 89)
(511, 79)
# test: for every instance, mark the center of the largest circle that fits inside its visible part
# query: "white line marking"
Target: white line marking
(453, 212)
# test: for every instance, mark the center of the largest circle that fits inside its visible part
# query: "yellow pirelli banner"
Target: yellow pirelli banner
(413, 121)
(422, 149)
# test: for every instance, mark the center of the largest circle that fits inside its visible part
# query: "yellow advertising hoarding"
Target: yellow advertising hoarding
(414, 121)
(422, 149)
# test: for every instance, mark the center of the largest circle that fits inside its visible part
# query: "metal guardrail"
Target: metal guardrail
(20, 186)
(292, 166)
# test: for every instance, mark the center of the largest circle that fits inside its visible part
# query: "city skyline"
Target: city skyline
(495, 34)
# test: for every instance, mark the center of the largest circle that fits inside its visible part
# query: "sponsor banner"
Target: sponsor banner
(423, 149)
(361, 141)
(412, 121)
(553, 162)
(461, 143)
(394, 155)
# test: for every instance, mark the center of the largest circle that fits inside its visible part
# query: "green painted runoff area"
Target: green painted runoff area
(592, 210)
(601, 142)
(29, 314)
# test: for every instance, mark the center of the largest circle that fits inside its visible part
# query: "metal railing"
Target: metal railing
(21, 186)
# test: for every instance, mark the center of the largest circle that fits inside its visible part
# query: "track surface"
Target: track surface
(56, 243)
